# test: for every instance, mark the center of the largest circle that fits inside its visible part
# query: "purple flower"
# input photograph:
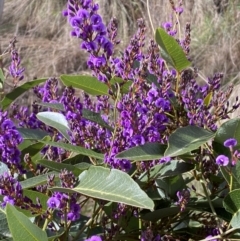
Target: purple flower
(73, 216)
(83, 14)
(222, 160)
(95, 238)
(231, 142)
(8, 199)
(96, 19)
(53, 202)
(167, 25)
(179, 10)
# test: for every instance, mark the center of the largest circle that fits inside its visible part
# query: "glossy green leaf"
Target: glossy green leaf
(55, 120)
(111, 185)
(55, 166)
(76, 149)
(32, 134)
(22, 228)
(95, 117)
(173, 51)
(13, 95)
(148, 151)
(54, 106)
(89, 84)
(187, 139)
(229, 129)
(38, 180)
(232, 201)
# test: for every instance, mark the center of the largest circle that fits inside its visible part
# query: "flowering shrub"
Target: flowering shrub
(142, 146)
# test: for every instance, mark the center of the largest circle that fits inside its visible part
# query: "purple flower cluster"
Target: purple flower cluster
(10, 189)
(12, 193)
(65, 204)
(10, 138)
(15, 69)
(59, 201)
(87, 25)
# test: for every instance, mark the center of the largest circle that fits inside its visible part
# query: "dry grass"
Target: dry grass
(48, 50)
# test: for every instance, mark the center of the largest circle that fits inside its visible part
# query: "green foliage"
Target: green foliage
(89, 84)
(13, 95)
(148, 151)
(114, 186)
(187, 139)
(171, 51)
(56, 120)
(22, 228)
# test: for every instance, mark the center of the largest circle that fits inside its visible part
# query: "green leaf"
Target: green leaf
(234, 175)
(174, 52)
(229, 129)
(22, 228)
(26, 143)
(146, 152)
(35, 148)
(38, 180)
(124, 85)
(13, 95)
(95, 117)
(160, 213)
(32, 134)
(172, 168)
(76, 149)
(208, 99)
(55, 166)
(89, 84)
(235, 221)
(57, 121)
(111, 185)
(54, 106)
(187, 139)
(168, 186)
(4, 229)
(3, 168)
(2, 77)
(77, 158)
(33, 195)
(232, 201)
